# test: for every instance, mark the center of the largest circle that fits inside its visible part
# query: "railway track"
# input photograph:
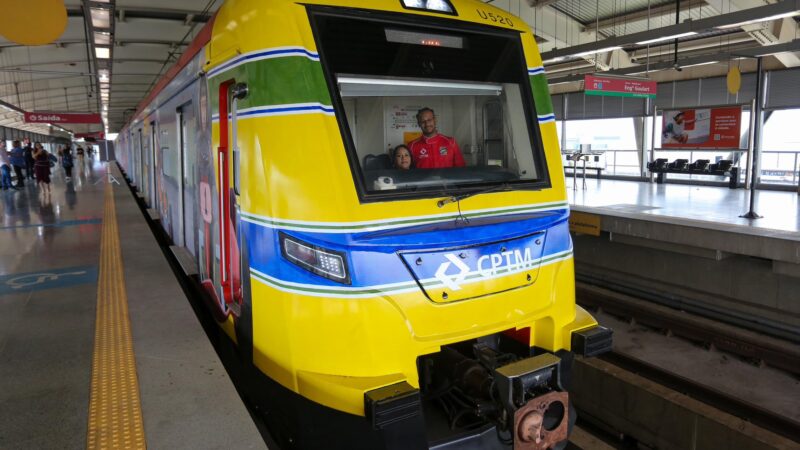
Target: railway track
(637, 401)
(750, 412)
(756, 347)
(649, 407)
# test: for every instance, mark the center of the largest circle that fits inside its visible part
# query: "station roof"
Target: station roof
(144, 38)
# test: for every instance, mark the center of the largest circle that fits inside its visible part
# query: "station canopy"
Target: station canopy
(112, 53)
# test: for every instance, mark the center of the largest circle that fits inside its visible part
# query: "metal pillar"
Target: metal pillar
(756, 151)
(652, 156)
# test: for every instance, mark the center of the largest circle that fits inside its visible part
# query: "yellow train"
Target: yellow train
(373, 193)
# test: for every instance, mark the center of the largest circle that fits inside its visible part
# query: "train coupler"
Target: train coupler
(540, 421)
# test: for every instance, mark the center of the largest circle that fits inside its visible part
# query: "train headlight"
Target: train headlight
(321, 261)
(430, 5)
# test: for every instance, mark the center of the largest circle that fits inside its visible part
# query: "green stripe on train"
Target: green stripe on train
(541, 94)
(275, 81)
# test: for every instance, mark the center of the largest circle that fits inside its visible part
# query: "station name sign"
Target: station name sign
(619, 87)
(58, 117)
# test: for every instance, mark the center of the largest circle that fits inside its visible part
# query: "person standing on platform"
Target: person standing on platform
(29, 158)
(433, 150)
(66, 161)
(18, 161)
(42, 158)
(5, 168)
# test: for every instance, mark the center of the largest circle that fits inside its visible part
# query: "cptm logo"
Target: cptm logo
(487, 266)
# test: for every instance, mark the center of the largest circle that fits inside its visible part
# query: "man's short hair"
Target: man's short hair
(677, 115)
(422, 110)
(15, 144)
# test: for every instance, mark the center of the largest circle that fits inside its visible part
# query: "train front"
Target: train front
(431, 302)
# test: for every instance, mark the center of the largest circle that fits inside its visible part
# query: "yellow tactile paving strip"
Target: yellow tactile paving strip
(115, 416)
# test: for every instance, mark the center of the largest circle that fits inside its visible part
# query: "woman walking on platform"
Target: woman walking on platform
(42, 167)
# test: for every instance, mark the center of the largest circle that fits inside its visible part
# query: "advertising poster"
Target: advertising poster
(718, 128)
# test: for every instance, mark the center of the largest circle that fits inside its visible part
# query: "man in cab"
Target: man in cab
(433, 150)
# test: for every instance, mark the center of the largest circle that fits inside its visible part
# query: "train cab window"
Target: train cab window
(474, 79)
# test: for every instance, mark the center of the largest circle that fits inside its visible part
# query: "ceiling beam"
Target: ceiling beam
(540, 3)
(697, 26)
(643, 14)
(770, 50)
(766, 33)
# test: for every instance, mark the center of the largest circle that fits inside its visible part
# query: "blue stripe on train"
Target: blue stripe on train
(372, 256)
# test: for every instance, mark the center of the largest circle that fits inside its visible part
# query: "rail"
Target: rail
(775, 352)
(752, 413)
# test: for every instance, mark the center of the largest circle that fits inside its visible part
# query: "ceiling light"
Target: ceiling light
(102, 52)
(554, 60)
(592, 52)
(763, 19)
(700, 64)
(103, 73)
(667, 38)
(101, 38)
(101, 17)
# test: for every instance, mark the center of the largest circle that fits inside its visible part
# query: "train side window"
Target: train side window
(476, 82)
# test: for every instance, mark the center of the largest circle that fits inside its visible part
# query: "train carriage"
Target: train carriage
(431, 307)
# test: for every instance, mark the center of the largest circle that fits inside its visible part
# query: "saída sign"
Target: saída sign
(59, 117)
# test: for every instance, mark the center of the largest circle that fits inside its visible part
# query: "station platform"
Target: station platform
(687, 246)
(99, 346)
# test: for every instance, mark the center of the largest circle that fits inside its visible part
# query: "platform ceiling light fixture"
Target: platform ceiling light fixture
(667, 38)
(442, 6)
(102, 52)
(101, 17)
(103, 74)
(762, 19)
(554, 60)
(102, 38)
(593, 52)
(700, 64)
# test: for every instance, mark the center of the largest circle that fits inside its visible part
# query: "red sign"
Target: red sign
(618, 87)
(718, 128)
(95, 135)
(57, 117)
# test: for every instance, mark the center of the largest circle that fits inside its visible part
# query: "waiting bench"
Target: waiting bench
(661, 167)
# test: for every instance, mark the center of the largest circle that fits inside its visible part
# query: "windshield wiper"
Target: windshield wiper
(458, 198)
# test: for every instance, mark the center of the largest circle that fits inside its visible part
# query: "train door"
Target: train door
(155, 168)
(228, 191)
(189, 156)
(185, 117)
(140, 161)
